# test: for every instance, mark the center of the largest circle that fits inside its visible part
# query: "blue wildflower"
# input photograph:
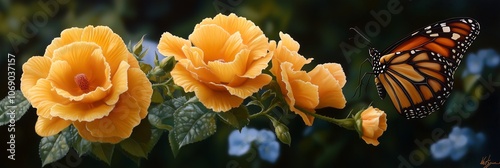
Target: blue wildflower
(240, 142)
(269, 151)
(475, 63)
(441, 149)
(457, 144)
(491, 57)
(264, 136)
(268, 146)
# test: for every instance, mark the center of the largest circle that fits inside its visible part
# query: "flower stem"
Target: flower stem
(264, 112)
(347, 123)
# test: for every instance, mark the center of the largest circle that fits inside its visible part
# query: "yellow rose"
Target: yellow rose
(319, 88)
(222, 61)
(87, 78)
(373, 125)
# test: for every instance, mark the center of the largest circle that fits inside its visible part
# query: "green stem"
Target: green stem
(348, 123)
(263, 112)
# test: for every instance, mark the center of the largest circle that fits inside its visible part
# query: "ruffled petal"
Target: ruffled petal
(112, 45)
(226, 72)
(170, 45)
(67, 36)
(82, 131)
(330, 91)
(43, 98)
(48, 127)
(199, 73)
(337, 72)
(249, 87)
(140, 89)
(255, 67)
(120, 83)
(210, 39)
(216, 100)
(81, 111)
(35, 68)
(120, 122)
(232, 47)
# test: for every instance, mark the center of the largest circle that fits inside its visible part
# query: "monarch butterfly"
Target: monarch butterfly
(417, 72)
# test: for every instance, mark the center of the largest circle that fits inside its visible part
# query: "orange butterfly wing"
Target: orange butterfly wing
(417, 72)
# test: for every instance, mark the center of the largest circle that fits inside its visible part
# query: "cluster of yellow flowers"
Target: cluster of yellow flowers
(88, 78)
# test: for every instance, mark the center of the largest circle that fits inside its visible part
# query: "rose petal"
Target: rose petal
(49, 127)
(78, 111)
(43, 98)
(120, 121)
(82, 131)
(330, 91)
(140, 89)
(120, 84)
(210, 39)
(212, 99)
(112, 45)
(249, 87)
(35, 68)
(170, 45)
(67, 36)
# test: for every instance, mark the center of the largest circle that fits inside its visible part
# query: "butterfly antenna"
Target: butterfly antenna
(363, 36)
(360, 80)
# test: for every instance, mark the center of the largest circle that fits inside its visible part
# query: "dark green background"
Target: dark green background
(320, 27)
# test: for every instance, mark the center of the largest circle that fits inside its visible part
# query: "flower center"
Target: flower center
(82, 82)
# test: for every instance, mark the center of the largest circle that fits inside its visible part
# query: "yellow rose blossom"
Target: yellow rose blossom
(87, 78)
(319, 88)
(373, 124)
(222, 61)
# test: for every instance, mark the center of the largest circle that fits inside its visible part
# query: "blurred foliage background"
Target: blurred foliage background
(320, 27)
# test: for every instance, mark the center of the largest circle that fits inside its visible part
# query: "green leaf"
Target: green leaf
(155, 136)
(236, 117)
(80, 145)
(53, 148)
(135, 159)
(137, 50)
(103, 151)
(162, 115)
(13, 106)
(174, 145)
(137, 143)
(193, 123)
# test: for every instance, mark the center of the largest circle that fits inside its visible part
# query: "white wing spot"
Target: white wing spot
(455, 36)
(446, 29)
(434, 35)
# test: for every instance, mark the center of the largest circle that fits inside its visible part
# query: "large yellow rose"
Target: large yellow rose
(319, 88)
(222, 61)
(87, 78)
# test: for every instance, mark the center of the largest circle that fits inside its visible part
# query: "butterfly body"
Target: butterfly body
(417, 72)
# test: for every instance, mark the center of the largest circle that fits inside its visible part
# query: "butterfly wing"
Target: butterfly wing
(417, 72)
(417, 81)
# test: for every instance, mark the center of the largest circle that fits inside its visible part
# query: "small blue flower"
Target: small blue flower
(475, 63)
(151, 48)
(269, 151)
(441, 149)
(491, 57)
(240, 142)
(265, 136)
(458, 143)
